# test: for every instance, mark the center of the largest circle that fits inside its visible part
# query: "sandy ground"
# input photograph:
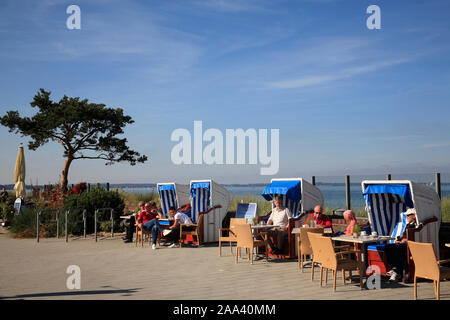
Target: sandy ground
(111, 269)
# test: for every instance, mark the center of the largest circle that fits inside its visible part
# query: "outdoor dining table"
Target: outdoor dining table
(361, 242)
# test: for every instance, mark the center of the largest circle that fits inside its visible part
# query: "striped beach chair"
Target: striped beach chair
(205, 194)
(300, 197)
(172, 194)
(386, 202)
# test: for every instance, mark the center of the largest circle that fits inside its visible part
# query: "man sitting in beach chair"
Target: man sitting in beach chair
(280, 216)
(179, 218)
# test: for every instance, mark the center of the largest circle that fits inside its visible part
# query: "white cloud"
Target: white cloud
(338, 75)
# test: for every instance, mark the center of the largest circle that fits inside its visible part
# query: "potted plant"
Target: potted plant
(356, 231)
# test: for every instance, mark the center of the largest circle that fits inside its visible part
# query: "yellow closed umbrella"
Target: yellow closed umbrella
(19, 174)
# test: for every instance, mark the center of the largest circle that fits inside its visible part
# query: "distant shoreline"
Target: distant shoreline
(153, 185)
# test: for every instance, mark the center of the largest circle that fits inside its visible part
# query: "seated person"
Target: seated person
(321, 220)
(396, 252)
(179, 218)
(280, 216)
(148, 221)
(130, 223)
(349, 217)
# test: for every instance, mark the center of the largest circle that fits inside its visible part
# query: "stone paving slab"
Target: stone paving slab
(111, 269)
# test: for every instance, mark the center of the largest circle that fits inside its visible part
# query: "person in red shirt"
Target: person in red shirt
(148, 221)
(322, 220)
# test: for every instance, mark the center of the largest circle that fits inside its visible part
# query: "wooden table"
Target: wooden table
(264, 226)
(126, 217)
(362, 241)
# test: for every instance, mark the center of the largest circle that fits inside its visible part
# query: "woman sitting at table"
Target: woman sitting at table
(350, 219)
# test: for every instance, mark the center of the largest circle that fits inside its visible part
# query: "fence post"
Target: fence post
(95, 224)
(313, 180)
(347, 192)
(57, 224)
(67, 226)
(112, 223)
(89, 187)
(438, 184)
(37, 225)
(107, 186)
(84, 222)
(388, 176)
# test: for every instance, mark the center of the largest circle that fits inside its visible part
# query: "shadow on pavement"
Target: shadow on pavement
(127, 292)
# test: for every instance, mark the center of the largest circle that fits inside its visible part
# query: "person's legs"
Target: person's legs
(270, 234)
(281, 234)
(148, 225)
(155, 231)
(176, 234)
(129, 226)
(396, 257)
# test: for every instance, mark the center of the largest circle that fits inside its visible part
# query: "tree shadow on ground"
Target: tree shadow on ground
(126, 292)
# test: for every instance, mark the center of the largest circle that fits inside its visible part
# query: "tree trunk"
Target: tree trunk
(65, 173)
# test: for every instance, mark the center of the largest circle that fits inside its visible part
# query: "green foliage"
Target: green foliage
(445, 207)
(23, 225)
(356, 229)
(132, 199)
(6, 210)
(95, 199)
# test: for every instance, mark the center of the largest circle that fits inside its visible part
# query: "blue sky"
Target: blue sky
(347, 100)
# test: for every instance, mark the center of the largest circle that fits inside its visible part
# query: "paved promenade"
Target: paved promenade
(111, 269)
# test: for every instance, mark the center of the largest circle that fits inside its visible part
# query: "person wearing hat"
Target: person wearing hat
(396, 252)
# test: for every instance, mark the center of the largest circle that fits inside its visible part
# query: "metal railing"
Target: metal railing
(111, 210)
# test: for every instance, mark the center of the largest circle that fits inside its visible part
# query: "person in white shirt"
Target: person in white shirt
(179, 218)
(280, 217)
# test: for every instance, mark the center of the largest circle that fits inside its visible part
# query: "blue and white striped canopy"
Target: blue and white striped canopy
(200, 194)
(289, 190)
(386, 204)
(168, 197)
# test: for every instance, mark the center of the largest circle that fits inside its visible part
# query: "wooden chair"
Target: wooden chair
(324, 253)
(140, 236)
(304, 246)
(195, 230)
(245, 239)
(427, 266)
(231, 236)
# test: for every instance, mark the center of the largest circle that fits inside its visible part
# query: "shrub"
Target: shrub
(95, 199)
(7, 210)
(25, 222)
